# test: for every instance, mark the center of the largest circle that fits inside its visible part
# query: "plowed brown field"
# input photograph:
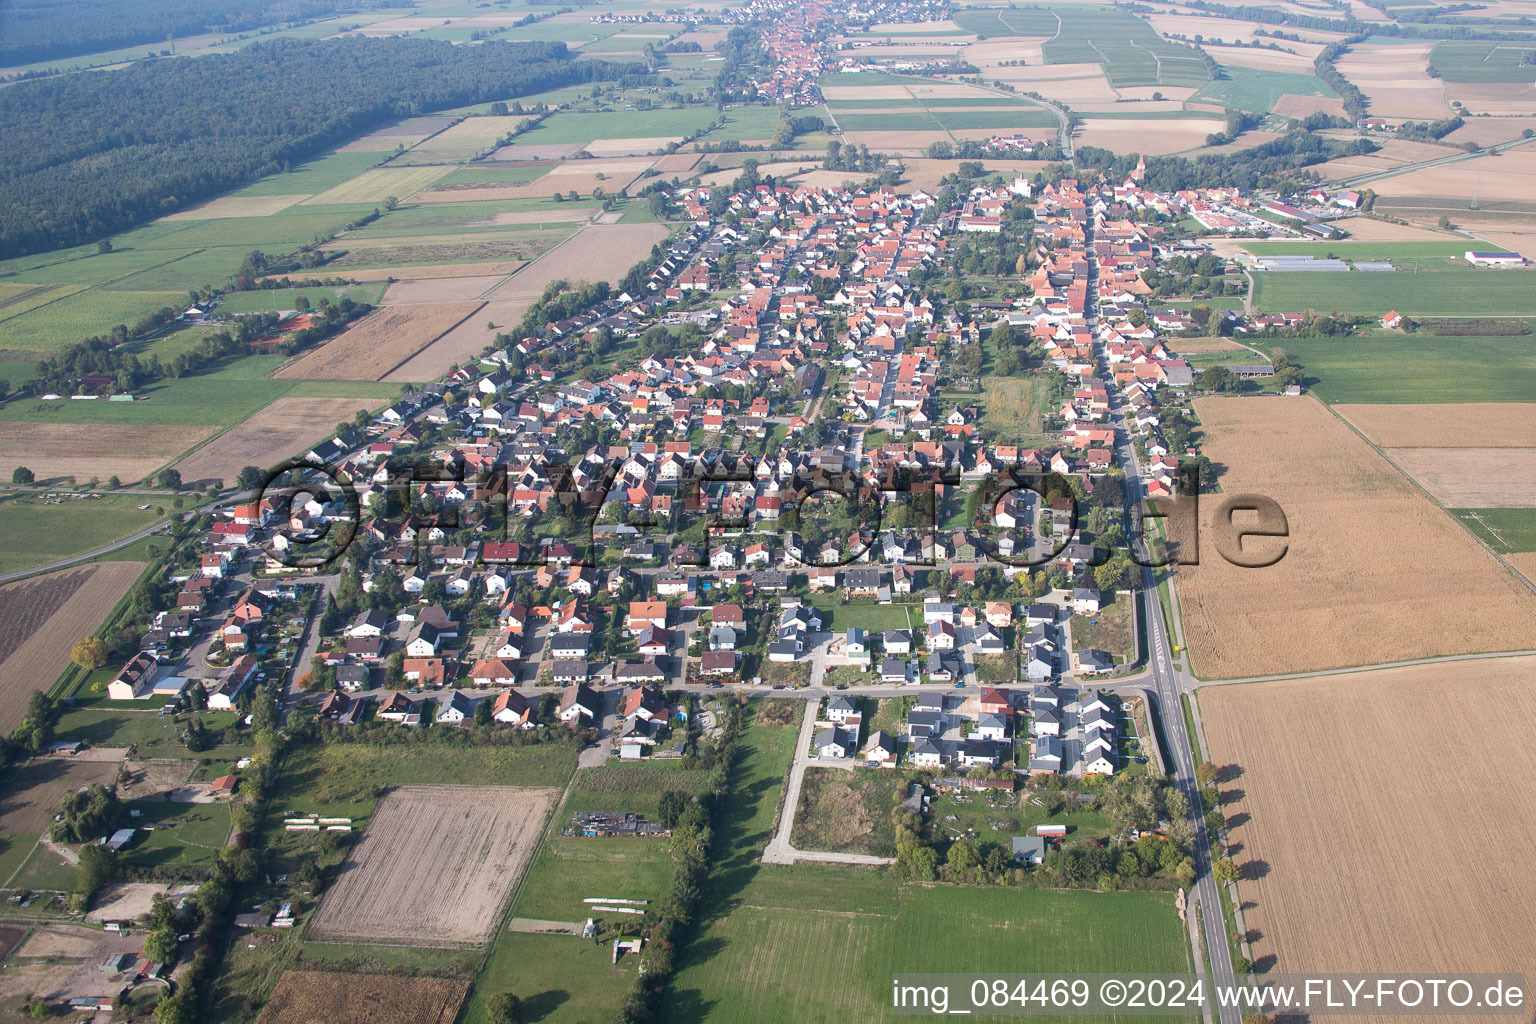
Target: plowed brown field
(1371, 562)
(1373, 832)
(328, 997)
(40, 618)
(1472, 425)
(378, 342)
(282, 429)
(435, 864)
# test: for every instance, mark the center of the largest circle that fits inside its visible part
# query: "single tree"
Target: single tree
(249, 478)
(22, 475)
(90, 653)
(504, 1008)
(170, 479)
(1224, 871)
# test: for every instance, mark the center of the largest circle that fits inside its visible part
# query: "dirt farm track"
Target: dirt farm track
(434, 865)
(1373, 828)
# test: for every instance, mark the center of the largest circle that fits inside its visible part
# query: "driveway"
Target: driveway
(779, 850)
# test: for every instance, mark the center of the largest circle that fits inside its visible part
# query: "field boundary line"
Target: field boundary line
(1508, 567)
(1383, 666)
(434, 340)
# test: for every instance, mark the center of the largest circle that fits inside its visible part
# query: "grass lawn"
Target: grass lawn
(1506, 529)
(1012, 406)
(33, 532)
(561, 979)
(837, 614)
(568, 870)
(847, 812)
(43, 869)
(618, 124)
(769, 962)
(196, 834)
(1398, 368)
(1109, 629)
(1443, 290)
(151, 734)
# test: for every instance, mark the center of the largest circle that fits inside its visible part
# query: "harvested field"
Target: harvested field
(286, 427)
(1225, 30)
(471, 841)
(1293, 105)
(1369, 559)
(517, 190)
(921, 172)
(598, 252)
(379, 342)
(378, 184)
(1473, 425)
(621, 169)
(456, 251)
(236, 206)
(676, 163)
(729, 174)
(1525, 561)
(330, 997)
(1334, 841)
(1154, 138)
(41, 617)
(439, 289)
(86, 450)
(1204, 345)
(1395, 77)
(1486, 131)
(1288, 61)
(529, 151)
(1473, 477)
(33, 792)
(629, 147)
(1392, 154)
(865, 92)
(1497, 98)
(898, 143)
(1509, 176)
(570, 215)
(443, 270)
(1369, 229)
(463, 344)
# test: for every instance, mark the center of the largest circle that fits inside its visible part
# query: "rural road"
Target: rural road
(778, 850)
(65, 563)
(1169, 683)
(1451, 158)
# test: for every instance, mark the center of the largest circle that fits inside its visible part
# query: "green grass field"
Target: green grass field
(766, 961)
(1505, 529)
(618, 124)
(1348, 249)
(1456, 60)
(1130, 50)
(33, 532)
(1412, 293)
(837, 614)
(151, 734)
(1395, 368)
(76, 317)
(313, 176)
(1258, 91)
(196, 834)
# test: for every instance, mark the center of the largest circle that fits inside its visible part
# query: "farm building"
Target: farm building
(1495, 259)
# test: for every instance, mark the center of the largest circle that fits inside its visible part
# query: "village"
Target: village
(790, 504)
